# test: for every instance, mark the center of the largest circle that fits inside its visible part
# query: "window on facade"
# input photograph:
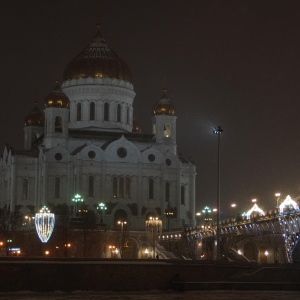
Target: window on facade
(121, 187)
(151, 188)
(78, 111)
(167, 192)
(127, 115)
(25, 189)
(182, 195)
(91, 186)
(127, 187)
(106, 111)
(57, 187)
(58, 124)
(92, 111)
(115, 187)
(119, 113)
(167, 130)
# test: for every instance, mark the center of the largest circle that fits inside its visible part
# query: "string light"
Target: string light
(44, 224)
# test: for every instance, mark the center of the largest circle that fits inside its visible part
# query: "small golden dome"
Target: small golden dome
(163, 106)
(136, 127)
(57, 98)
(97, 60)
(34, 118)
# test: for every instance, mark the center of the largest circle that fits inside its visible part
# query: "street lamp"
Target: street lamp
(154, 226)
(206, 211)
(218, 131)
(198, 215)
(277, 195)
(29, 218)
(77, 199)
(122, 223)
(101, 207)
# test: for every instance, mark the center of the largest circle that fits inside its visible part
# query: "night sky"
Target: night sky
(229, 63)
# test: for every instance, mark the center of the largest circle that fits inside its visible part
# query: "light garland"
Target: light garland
(44, 224)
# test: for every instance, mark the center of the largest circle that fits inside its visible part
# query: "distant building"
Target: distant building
(86, 142)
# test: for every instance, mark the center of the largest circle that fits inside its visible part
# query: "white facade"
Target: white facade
(88, 147)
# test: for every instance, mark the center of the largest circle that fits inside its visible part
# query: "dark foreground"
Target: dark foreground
(121, 276)
(203, 295)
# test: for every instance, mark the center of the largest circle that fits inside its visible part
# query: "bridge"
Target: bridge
(264, 237)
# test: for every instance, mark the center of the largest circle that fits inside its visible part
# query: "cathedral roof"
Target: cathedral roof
(35, 117)
(163, 106)
(57, 98)
(97, 60)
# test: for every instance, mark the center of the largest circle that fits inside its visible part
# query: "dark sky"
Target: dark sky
(229, 63)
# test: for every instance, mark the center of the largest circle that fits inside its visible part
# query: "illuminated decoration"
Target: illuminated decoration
(287, 203)
(255, 208)
(44, 224)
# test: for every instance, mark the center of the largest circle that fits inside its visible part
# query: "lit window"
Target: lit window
(167, 130)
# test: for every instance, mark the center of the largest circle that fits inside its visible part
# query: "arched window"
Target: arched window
(167, 192)
(78, 111)
(182, 195)
(167, 130)
(127, 187)
(57, 187)
(91, 186)
(127, 115)
(25, 189)
(106, 111)
(115, 187)
(58, 124)
(92, 111)
(151, 188)
(121, 187)
(119, 113)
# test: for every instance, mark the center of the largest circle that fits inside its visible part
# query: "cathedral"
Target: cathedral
(86, 142)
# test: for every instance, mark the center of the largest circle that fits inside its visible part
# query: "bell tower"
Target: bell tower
(164, 123)
(56, 117)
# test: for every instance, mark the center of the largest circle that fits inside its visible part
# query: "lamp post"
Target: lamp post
(77, 199)
(218, 131)
(198, 215)
(154, 227)
(101, 208)
(122, 223)
(29, 218)
(206, 211)
(277, 195)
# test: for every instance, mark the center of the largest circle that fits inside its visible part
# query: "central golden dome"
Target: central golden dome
(97, 60)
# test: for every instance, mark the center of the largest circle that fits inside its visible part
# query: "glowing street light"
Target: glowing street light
(277, 195)
(218, 131)
(77, 199)
(101, 208)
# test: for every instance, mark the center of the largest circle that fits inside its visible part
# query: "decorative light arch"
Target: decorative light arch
(287, 203)
(44, 224)
(255, 208)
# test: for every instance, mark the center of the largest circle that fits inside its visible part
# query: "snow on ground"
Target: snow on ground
(201, 295)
